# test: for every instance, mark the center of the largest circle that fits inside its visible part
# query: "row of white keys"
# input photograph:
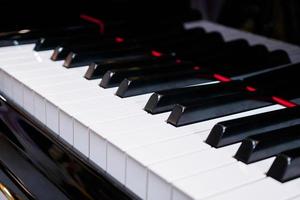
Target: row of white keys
(37, 74)
(33, 78)
(117, 139)
(120, 146)
(172, 135)
(60, 89)
(96, 105)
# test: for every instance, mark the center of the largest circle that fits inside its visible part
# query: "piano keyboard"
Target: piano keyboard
(174, 154)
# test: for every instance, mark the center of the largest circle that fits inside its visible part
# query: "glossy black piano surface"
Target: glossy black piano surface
(36, 165)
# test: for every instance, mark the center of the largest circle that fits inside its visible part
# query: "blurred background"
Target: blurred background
(272, 18)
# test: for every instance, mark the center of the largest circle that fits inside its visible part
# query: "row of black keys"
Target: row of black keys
(142, 71)
(166, 63)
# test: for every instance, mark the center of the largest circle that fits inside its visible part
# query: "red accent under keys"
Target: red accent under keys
(178, 61)
(221, 78)
(119, 40)
(96, 21)
(156, 53)
(283, 102)
(250, 89)
(196, 68)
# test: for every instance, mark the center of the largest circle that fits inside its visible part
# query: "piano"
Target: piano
(176, 108)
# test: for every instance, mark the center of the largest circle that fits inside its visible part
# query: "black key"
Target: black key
(89, 36)
(268, 144)
(32, 36)
(98, 53)
(214, 108)
(82, 57)
(277, 60)
(193, 43)
(277, 82)
(87, 45)
(49, 43)
(114, 77)
(286, 166)
(61, 52)
(165, 100)
(250, 66)
(109, 44)
(233, 131)
(152, 83)
(194, 51)
(238, 63)
(95, 45)
(142, 85)
(44, 44)
(97, 70)
(130, 28)
(230, 60)
(19, 37)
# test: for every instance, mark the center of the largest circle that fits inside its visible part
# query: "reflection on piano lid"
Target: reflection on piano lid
(38, 166)
(182, 92)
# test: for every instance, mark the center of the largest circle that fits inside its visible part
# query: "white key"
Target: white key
(18, 87)
(162, 174)
(216, 181)
(25, 58)
(114, 114)
(13, 50)
(28, 100)
(1, 79)
(101, 131)
(220, 180)
(88, 111)
(126, 142)
(17, 92)
(39, 107)
(295, 198)
(162, 178)
(46, 76)
(31, 65)
(36, 72)
(7, 84)
(157, 152)
(267, 188)
(105, 102)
